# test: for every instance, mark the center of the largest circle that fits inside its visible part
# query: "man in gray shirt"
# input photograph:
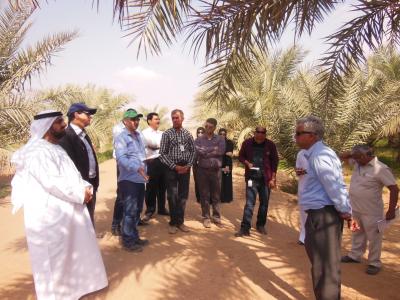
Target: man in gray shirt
(209, 150)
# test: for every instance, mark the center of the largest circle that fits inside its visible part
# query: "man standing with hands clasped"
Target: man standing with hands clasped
(209, 151)
(177, 153)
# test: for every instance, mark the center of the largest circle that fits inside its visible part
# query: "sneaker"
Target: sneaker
(207, 223)
(372, 270)
(348, 259)
(261, 230)
(133, 248)
(183, 228)
(241, 233)
(142, 242)
(172, 229)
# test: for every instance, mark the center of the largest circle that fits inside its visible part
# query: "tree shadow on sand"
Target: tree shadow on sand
(212, 263)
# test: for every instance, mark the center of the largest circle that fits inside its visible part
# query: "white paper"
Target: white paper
(384, 224)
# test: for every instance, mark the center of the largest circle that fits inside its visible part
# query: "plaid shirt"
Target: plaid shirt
(177, 148)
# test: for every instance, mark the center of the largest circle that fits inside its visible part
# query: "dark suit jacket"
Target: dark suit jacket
(76, 150)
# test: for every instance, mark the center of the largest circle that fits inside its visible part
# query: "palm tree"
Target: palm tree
(17, 66)
(277, 93)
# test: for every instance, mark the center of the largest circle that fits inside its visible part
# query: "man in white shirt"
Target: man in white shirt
(156, 187)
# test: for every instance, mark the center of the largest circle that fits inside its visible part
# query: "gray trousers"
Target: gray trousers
(368, 232)
(209, 184)
(323, 240)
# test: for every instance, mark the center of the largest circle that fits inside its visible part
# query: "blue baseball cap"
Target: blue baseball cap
(80, 107)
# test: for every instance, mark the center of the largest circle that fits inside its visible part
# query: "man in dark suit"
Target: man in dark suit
(80, 149)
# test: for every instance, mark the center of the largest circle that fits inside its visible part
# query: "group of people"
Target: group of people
(57, 177)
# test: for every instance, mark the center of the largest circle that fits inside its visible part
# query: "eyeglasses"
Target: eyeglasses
(261, 132)
(299, 133)
(85, 112)
(200, 132)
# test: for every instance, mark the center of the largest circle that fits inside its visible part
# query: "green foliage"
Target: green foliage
(277, 92)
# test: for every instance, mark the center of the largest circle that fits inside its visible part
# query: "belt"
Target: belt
(326, 207)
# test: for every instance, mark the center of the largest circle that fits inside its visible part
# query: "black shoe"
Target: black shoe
(300, 243)
(241, 233)
(261, 230)
(348, 259)
(116, 231)
(142, 223)
(133, 248)
(163, 212)
(142, 242)
(372, 270)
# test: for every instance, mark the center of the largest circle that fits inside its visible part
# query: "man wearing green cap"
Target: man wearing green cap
(130, 155)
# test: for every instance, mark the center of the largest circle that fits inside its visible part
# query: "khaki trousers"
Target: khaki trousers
(368, 233)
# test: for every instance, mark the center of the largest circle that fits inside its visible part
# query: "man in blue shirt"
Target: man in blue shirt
(130, 155)
(326, 201)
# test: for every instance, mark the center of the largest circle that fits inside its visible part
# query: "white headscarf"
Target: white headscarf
(38, 129)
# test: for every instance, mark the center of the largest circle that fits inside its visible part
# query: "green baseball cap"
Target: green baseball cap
(131, 113)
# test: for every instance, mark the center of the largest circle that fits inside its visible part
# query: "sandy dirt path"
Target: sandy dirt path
(205, 263)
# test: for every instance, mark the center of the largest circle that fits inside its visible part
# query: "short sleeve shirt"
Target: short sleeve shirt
(366, 187)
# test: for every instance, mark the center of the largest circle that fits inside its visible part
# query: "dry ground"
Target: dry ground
(205, 263)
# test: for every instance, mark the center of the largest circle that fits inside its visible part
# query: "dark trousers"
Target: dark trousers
(177, 194)
(118, 208)
(323, 240)
(209, 183)
(251, 196)
(155, 188)
(132, 197)
(92, 204)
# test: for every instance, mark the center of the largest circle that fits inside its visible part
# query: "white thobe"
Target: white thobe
(301, 162)
(66, 261)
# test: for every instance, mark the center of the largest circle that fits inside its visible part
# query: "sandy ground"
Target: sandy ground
(205, 263)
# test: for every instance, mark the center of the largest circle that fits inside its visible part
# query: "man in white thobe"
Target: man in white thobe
(66, 261)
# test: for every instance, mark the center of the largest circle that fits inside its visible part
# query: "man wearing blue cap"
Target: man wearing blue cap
(79, 147)
(130, 154)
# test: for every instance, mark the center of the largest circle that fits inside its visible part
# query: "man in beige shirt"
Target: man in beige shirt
(367, 182)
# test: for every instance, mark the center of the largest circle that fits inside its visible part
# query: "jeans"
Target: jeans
(177, 194)
(118, 208)
(132, 197)
(155, 188)
(263, 191)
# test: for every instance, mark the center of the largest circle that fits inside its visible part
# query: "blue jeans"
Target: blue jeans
(251, 196)
(132, 198)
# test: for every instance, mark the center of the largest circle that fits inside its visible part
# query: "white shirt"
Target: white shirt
(152, 139)
(92, 161)
(301, 162)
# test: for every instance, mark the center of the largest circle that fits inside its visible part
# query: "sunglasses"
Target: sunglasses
(299, 133)
(85, 112)
(261, 132)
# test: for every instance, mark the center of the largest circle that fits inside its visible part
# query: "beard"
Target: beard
(57, 134)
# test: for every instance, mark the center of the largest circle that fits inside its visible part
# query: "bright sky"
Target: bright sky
(100, 55)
